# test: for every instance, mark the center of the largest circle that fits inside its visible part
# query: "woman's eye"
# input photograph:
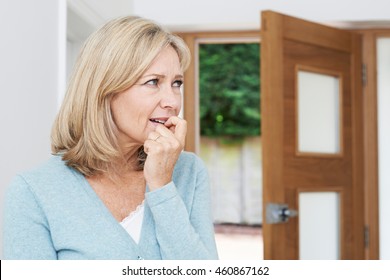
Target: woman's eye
(152, 82)
(177, 83)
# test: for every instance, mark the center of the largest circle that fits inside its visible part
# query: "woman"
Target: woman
(118, 185)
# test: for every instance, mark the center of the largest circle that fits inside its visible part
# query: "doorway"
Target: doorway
(228, 133)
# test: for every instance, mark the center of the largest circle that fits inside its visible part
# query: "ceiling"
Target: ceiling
(85, 16)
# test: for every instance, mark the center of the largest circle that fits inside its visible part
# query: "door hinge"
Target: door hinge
(366, 236)
(364, 74)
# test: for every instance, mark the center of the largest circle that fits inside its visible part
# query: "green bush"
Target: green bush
(229, 88)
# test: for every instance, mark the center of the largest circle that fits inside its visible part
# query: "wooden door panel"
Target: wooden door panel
(316, 169)
(290, 45)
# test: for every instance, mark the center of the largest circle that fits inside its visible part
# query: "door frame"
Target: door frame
(370, 108)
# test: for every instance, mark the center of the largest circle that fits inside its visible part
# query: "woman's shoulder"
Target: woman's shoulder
(54, 167)
(48, 175)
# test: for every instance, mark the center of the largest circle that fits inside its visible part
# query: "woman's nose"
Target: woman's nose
(171, 97)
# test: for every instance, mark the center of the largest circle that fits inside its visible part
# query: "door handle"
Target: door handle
(277, 213)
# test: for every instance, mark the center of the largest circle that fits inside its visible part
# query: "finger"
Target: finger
(172, 121)
(153, 146)
(154, 135)
(164, 131)
(148, 143)
(180, 126)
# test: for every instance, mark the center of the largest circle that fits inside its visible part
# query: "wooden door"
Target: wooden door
(292, 50)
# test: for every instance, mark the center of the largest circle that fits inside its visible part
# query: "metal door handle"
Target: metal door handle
(279, 213)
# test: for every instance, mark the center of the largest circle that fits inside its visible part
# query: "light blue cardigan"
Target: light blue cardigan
(53, 213)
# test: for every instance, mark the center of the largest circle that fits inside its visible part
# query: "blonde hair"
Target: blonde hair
(112, 59)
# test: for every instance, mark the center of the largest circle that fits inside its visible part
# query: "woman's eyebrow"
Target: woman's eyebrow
(153, 75)
(162, 76)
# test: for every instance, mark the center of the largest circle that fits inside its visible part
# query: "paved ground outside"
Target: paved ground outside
(239, 242)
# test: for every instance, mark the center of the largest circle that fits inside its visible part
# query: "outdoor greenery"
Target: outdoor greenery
(229, 88)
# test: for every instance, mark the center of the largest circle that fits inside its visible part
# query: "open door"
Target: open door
(312, 135)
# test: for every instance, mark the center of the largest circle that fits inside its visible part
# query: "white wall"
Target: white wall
(83, 18)
(383, 60)
(32, 73)
(245, 14)
(97, 12)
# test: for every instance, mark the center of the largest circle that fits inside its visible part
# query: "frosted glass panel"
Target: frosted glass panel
(318, 113)
(319, 226)
(383, 62)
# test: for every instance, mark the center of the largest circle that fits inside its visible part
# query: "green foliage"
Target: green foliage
(229, 90)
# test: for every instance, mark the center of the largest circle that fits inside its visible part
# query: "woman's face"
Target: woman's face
(151, 100)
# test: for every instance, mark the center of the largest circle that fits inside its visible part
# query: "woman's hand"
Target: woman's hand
(163, 148)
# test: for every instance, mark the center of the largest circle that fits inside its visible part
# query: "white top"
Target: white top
(133, 222)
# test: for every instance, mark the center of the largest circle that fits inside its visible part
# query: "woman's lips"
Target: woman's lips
(159, 120)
